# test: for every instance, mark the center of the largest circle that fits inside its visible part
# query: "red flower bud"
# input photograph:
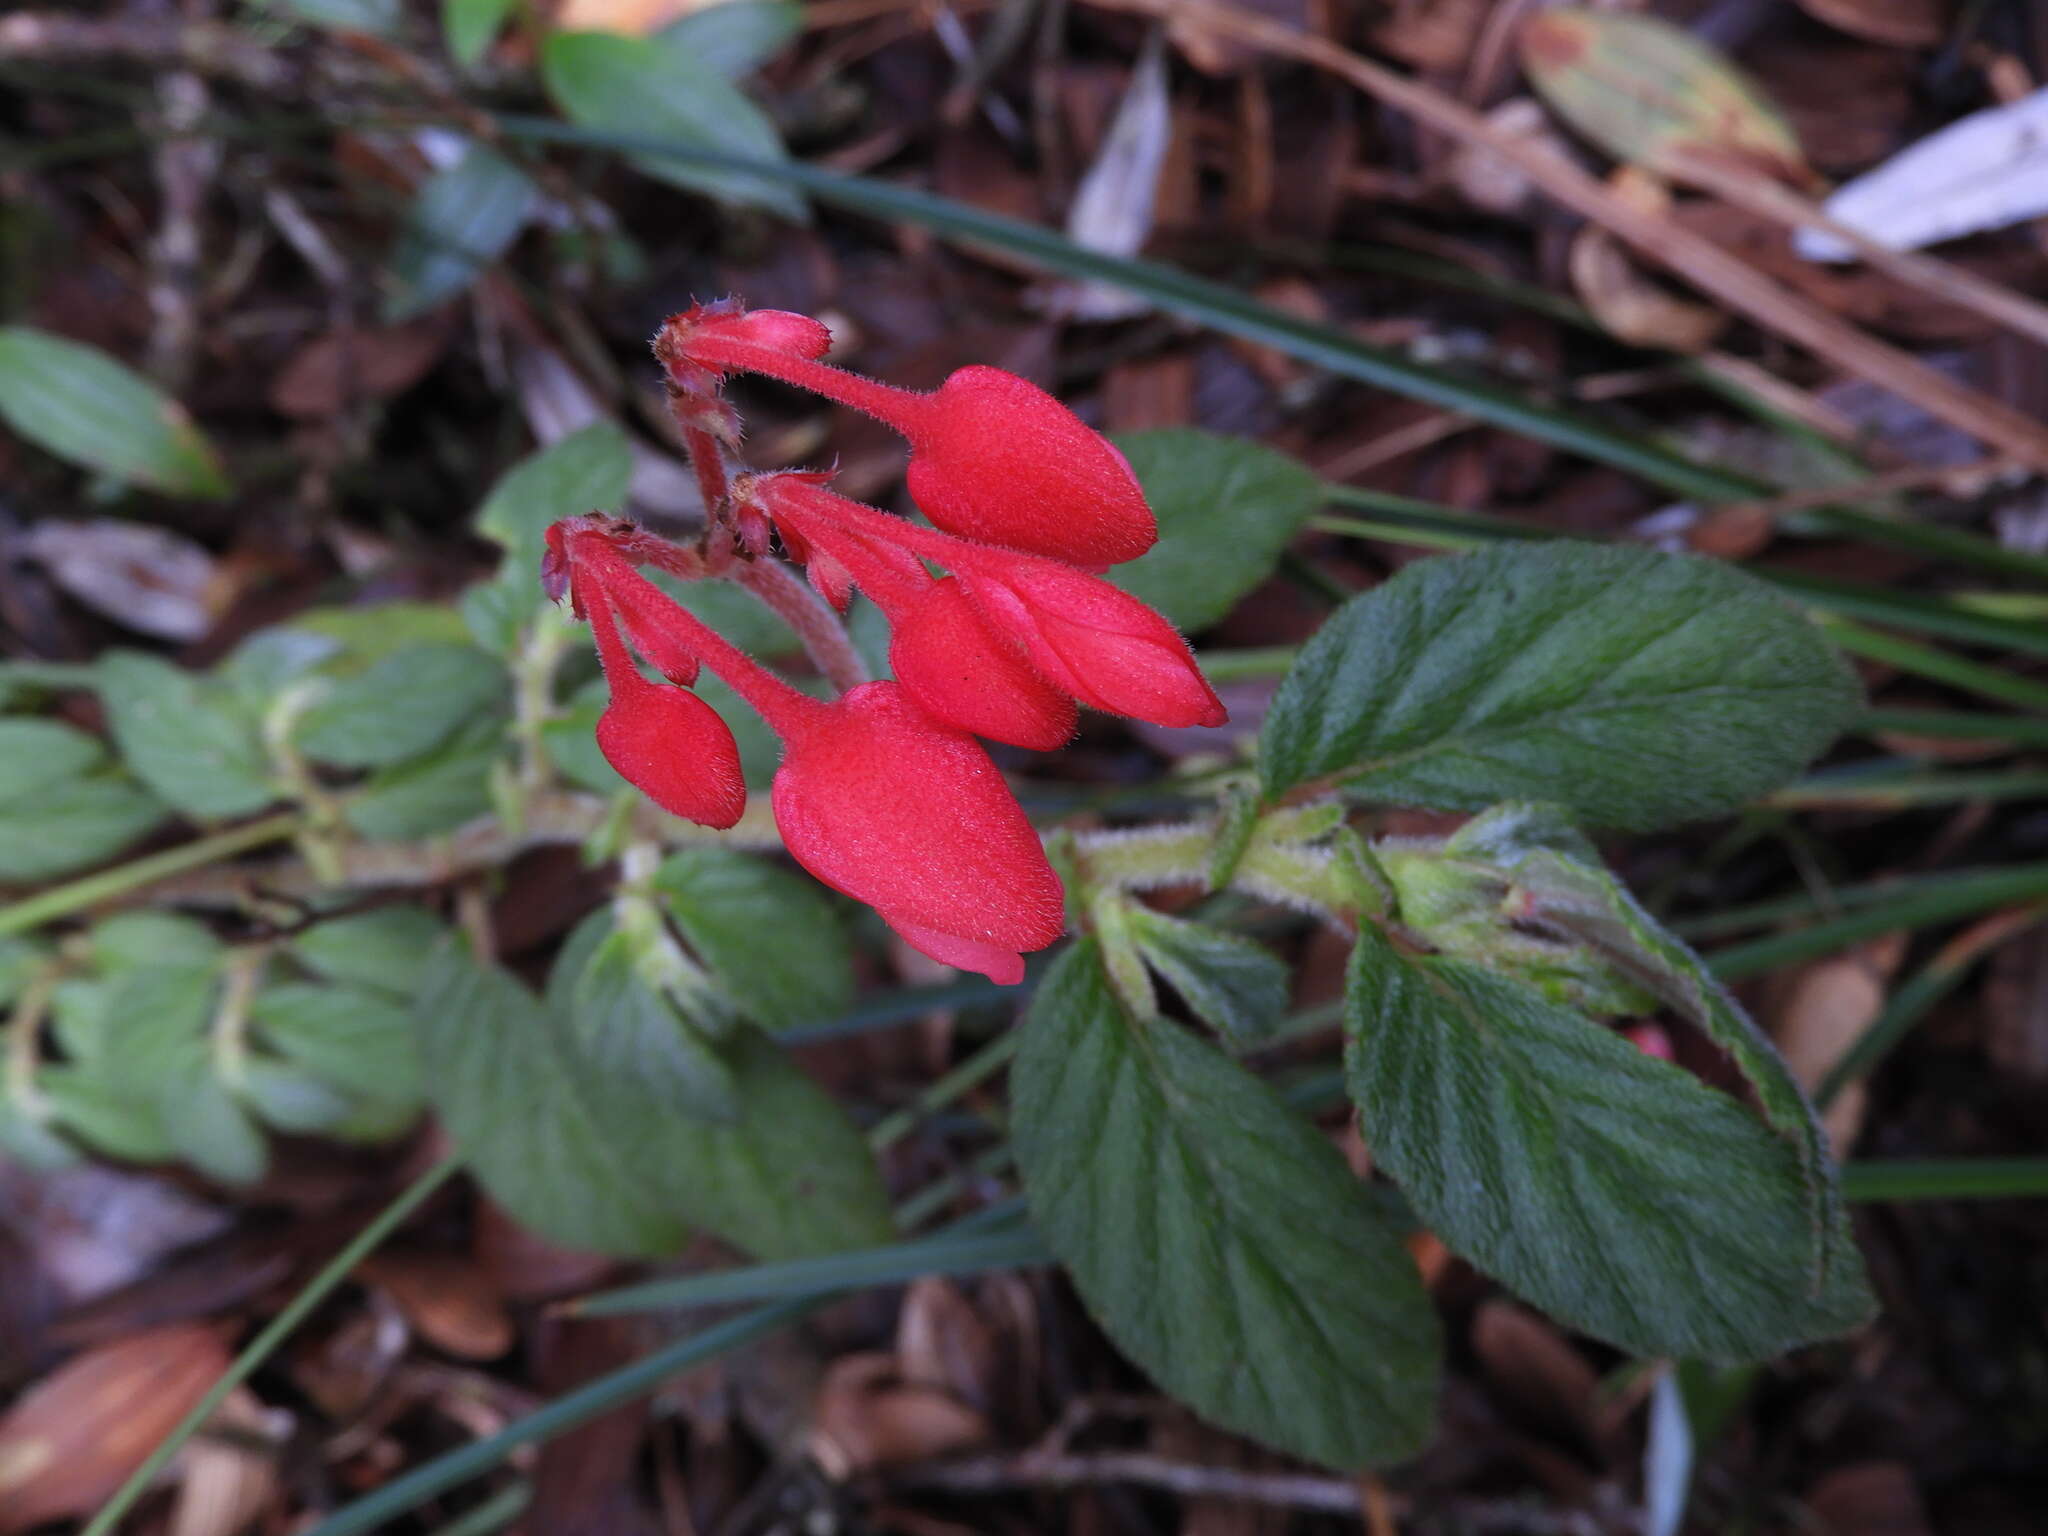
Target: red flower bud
(1096, 641)
(664, 741)
(672, 747)
(949, 660)
(992, 456)
(887, 805)
(995, 458)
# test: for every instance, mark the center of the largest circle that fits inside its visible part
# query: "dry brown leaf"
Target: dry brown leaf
(1530, 1364)
(1870, 1498)
(342, 367)
(941, 1341)
(449, 1301)
(1822, 1012)
(150, 579)
(74, 1437)
(1632, 306)
(867, 1417)
(230, 1476)
(1902, 23)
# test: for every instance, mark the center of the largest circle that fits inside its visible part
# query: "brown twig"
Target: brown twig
(1942, 279)
(1037, 1470)
(1706, 265)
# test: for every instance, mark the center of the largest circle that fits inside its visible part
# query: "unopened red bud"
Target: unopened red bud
(887, 805)
(997, 459)
(672, 747)
(1096, 641)
(949, 660)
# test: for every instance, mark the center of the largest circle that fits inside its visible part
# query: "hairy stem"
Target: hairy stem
(792, 600)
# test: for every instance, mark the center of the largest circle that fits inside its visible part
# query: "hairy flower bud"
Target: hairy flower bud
(887, 805)
(957, 668)
(995, 458)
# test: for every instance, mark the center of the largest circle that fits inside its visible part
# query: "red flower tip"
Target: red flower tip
(949, 660)
(672, 747)
(1096, 641)
(681, 343)
(908, 815)
(554, 565)
(995, 458)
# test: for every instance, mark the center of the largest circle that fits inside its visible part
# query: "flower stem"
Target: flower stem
(824, 637)
(903, 409)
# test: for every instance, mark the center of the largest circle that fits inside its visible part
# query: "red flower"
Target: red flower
(992, 456)
(665, 741)
(880, 801)
(874, 796)
(1029, 631)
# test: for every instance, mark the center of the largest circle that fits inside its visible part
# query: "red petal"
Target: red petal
(882, 802)
(1104, 646)
(956, 668)
(1002, 966)
(995, 458)
(671, 746)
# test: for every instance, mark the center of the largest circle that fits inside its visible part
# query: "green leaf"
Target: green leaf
(635, 85)
(184, 736)
(81, 405)
(735, 37)
(403, 706)
(31, 1142)
(385, 949)
(144, 938)
(1220, 1241)
(431, 794)
(292, 1100)
(631, 1029)
(1558, 885)
(1226, 506)
(111, 1123)
(1634, 689)
(348, 1037)
(1652, 93)
(206, 1124)
(1229, 982)
(1611, 1189)
(461, 220)
(365, 636)
(726, 902)
(469, 26)
(36, 754)
(56, 831)
(591, 1157)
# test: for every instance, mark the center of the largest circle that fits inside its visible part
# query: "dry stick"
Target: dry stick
(1930, 274)
(1727, 278)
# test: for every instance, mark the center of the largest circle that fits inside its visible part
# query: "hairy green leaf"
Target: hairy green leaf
(1632, 688)
(1219, 1239)
(431, 794)
(725, 902)
(1611, 1189)
(1231, 983)
(385, 948)
(70, 826)
(349, 1037)
(36, 754)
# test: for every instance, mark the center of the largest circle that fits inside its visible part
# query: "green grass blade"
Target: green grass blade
(1220, 308)
(260, 1348)
(1937, 666)
(1954, 725)
(1010, 1243)
(1962, 1178)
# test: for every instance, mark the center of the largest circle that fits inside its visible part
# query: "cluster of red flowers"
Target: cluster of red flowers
(883, 792)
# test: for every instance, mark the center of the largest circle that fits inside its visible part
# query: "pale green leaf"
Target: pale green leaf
(186, 737)
(469, 26)
(725, 902)
(461, 220)
(1229, 982)
(404, 705)
(81, 405)
(635, 85)
(71, 826)
(735, 37)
